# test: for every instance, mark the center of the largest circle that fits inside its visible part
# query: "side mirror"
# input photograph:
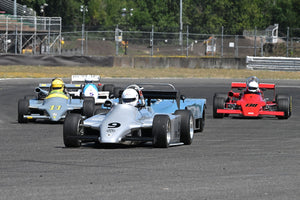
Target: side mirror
(107, 103)
(182, 97)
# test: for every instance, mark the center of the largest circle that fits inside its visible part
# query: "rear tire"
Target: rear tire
(284, 106)
(202, 120)
(187, 126)
(117, 92)
(218, 103)
(161, 131)
(72, 129)
(223, 95)
(108, 87)
(88, 106)
(23, 109)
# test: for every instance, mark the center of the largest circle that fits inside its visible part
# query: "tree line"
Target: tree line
(202, 16)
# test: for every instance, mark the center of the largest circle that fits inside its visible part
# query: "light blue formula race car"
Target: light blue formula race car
(53, 107)
(163, 117)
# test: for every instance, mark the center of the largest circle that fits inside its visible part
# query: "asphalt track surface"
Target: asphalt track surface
(232, 159)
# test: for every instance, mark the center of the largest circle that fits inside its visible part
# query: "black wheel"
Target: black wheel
(284, 96)
(284, 105)
(161, 131)
(72, 128)
(117, 92)
(202, 120)
(23, 109)
(223, 95)
(108, 87)
(88, 106)
(218, 103)
(187, 126)
(281, 96)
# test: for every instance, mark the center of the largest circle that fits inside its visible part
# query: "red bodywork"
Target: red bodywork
(250, 104)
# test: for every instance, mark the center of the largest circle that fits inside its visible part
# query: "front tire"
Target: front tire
(284, 105)
(218, 103)
(72, 129)
(23, 109)
(161, 131)
(187, 126)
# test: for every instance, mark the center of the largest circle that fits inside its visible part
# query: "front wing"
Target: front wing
(250, 114)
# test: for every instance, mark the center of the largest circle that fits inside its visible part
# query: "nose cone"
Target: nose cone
(118, 123)
(56, 108)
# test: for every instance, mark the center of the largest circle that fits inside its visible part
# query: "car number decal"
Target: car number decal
(114, 125)
(251, 105)
(55, 107)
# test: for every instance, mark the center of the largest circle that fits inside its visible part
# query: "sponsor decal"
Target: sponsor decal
(251, 105)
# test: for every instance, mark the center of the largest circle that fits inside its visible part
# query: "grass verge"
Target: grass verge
(118, 72)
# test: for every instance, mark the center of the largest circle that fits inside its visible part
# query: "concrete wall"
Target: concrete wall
(132, 62)
(165, 62)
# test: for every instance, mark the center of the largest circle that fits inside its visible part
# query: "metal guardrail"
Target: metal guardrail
(273, 63)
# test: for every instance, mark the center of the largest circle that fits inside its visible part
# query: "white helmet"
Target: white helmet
(252, 86)
(130, 97)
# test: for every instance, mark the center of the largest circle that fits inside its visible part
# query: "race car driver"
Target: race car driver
(132, 97)
(252, 87)
(57, 86)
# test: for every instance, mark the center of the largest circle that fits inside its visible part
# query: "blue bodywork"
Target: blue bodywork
(53, 109)
(196, 106)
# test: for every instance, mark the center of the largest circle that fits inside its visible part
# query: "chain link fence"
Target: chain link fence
(43, 35)
(153, 43)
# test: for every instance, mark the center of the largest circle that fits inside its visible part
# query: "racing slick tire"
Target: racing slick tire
(223, 95)
(108, 87)
(161, 131)
(218, 103)
(23, 109)
(284, 105)
(71, 129)
(117, 92)
(285, 96)
(88, 106)
(187, 126)
(202, 120)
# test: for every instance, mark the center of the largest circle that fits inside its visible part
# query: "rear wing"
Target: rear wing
(261, 85)
(160, 94)
(46, 86)
(82, 78)
(169, 92)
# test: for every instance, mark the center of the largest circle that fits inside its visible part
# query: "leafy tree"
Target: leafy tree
(203, 16)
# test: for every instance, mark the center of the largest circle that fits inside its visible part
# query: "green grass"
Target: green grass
(118, 72)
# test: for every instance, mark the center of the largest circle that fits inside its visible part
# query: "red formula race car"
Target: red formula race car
(251, 102)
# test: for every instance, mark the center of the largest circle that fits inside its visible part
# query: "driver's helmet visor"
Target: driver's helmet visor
(252, 88)
(128, 100)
